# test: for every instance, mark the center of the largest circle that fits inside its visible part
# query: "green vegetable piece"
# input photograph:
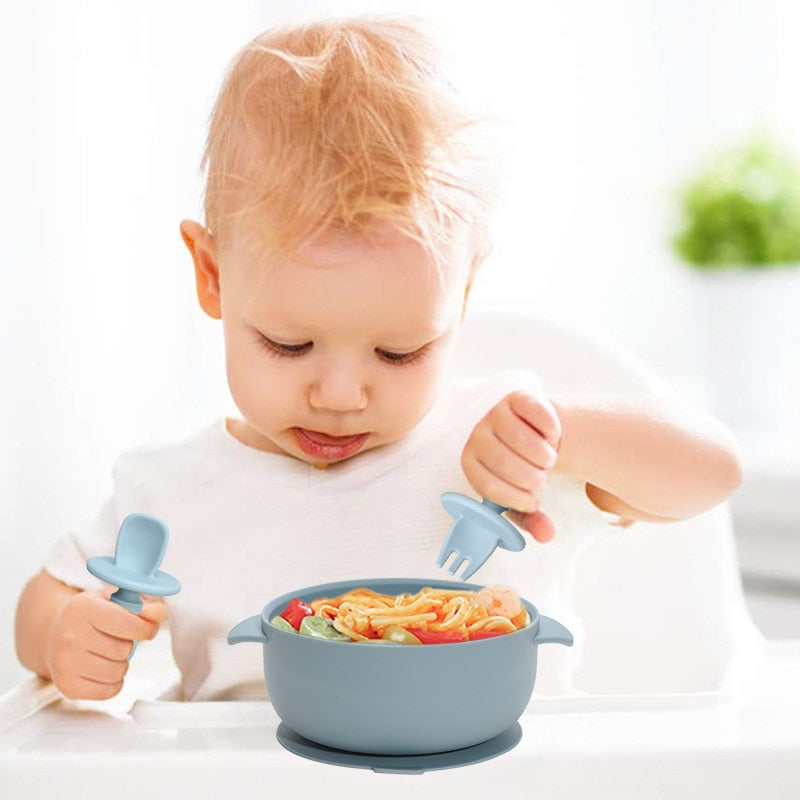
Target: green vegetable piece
(321, 628)
(398, 635)
(280, 623)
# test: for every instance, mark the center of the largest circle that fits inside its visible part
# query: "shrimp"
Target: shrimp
(499, 601)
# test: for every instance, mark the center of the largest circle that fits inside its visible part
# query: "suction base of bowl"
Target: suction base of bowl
(409, 765)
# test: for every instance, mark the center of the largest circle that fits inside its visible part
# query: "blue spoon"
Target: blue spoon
(478, 530)
(141, 544)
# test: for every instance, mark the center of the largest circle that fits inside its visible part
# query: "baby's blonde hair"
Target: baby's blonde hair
(337, 124)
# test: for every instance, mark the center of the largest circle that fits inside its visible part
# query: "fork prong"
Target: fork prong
(470, 570)
(456, 565)
(444, 554)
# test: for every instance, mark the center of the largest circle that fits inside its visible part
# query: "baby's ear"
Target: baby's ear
(466, 298)
(206, 272)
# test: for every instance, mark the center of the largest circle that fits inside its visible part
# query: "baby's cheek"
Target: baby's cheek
(405, 404)
(258, 393)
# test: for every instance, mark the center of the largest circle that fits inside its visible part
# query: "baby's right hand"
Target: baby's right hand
(90, 643)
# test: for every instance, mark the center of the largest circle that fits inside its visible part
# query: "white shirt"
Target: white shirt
(246, 526)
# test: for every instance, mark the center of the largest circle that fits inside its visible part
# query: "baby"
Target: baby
(344, 224)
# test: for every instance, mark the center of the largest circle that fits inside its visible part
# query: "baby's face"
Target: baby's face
(342, 350)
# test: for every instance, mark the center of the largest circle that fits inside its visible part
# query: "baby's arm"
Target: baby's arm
(640, 458)
(79, 639)
(647, 459)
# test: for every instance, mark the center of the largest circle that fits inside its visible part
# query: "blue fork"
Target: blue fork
(478, 530)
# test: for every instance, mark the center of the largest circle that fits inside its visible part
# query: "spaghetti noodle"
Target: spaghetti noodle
(451, 614)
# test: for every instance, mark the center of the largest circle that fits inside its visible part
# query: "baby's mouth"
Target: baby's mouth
(327, 447)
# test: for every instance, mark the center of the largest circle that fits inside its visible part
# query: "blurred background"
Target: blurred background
(600, 114)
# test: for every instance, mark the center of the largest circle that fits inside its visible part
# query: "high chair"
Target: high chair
(662, 604)
(676, 692)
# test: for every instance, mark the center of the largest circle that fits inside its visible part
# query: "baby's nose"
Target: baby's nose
(339, 388)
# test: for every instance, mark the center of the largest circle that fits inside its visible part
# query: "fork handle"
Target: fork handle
(496, 507)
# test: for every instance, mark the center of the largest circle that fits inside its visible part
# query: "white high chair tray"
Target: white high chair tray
(741, 745)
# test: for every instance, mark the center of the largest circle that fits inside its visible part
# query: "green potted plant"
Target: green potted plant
(742, 210)
(739, 234)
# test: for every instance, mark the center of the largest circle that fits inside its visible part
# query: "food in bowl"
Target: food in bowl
(429, 616)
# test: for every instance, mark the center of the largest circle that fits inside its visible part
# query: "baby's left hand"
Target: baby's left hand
(509, 454)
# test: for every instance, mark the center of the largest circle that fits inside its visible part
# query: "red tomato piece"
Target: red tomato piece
(295, 612)
(437, 637)
(485, 634)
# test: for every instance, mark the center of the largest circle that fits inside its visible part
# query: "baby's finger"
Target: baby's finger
(155, 611)
(494, 487)
(98, 668)
(120, 623)
(491, 451)
(107, 646)
(79, 688)
(516, 434)
(539, 413)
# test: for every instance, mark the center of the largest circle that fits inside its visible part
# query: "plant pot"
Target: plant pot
(749, 325)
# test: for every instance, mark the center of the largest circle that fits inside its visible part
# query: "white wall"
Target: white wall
(601, 108)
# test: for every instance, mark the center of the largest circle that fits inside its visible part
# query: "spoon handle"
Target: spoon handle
(133, 602)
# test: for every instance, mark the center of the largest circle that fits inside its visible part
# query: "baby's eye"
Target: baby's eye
(401, 358)
(280, 349)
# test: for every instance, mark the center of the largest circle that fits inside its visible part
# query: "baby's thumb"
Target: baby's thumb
(154, 611)
(536, 523)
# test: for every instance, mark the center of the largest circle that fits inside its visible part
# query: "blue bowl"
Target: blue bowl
(397, 700)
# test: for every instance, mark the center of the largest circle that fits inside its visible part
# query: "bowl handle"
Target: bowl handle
(549, 631)
(248, 630)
